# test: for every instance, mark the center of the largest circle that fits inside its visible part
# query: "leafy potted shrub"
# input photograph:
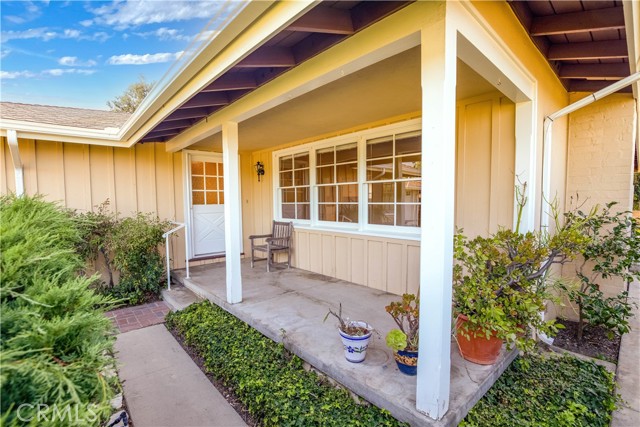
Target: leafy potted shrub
(404, 341)
(355, 335)
(500, 286)
(612, 248)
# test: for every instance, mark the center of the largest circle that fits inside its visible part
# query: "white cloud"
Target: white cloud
(72, 61)
(165, 33)
(149, 58)
(39, 33)
(4, 53)
(86, 23)
(100, 36)
(54, 72)
(15, 74)
(15, 19)
(122, 15)
(57, 72)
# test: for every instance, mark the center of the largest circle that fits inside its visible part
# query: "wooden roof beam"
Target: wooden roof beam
(592, 86)
(188, 113)
(611, 18)
(173, 124)
(232, 81)
(588, 50)
(594, 71)
(323, 19)
(277, 57)
(163, 133)
(207, 99)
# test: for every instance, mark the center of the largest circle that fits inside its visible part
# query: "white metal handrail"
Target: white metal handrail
(179, 226)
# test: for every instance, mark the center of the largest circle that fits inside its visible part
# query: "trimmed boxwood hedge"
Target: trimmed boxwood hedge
(266, 378)
(547, 391)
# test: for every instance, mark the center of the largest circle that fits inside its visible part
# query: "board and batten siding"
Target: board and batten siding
(144, 178)
(484, 201)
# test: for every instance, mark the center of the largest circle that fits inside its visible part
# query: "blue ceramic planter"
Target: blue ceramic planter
(407, 361)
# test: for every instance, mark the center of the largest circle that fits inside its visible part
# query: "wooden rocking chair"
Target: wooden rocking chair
(278, 241)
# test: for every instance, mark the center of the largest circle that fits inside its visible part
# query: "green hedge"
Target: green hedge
(539, 391)
(268, 380)
(54, 337)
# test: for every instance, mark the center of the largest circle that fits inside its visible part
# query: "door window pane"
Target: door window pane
(197, 197)
(210, 168)
(197, 183)
(197, 168)
(212, 198)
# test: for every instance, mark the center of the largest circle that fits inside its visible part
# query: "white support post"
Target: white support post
(526, 163)
(438, 58)
(12, 140)
(232, 218)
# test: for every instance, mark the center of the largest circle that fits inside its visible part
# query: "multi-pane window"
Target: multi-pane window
(294, 186)
(337, 183)
(207, 183)
(393, 179)
(365, 181)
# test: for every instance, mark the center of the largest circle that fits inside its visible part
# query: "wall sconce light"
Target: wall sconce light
(259, 169)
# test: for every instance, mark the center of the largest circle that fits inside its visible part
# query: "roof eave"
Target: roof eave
(49, 132)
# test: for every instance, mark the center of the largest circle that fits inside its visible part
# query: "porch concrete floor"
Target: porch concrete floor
(291, 305)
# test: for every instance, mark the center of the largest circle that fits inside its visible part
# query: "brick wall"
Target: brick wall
(600, 162)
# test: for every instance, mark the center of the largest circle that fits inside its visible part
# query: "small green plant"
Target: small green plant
(349, 327)
(611, 249)
(406, 314)
(268, 380)
(396, 340)
(547, 392)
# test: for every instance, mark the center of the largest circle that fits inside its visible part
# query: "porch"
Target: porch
(289, 306)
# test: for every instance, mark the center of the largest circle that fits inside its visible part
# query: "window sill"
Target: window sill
(391, 234)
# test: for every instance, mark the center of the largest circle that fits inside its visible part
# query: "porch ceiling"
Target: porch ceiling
(386, 89)
(583, 40)
(320, 28)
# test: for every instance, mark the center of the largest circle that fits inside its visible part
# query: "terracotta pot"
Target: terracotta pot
(477, 349)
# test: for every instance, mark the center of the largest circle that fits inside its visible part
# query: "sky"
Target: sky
(84, 53)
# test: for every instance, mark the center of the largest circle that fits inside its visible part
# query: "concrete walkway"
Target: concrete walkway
(164, 387)
(628, 373)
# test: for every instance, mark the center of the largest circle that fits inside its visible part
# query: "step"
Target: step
(179, 297)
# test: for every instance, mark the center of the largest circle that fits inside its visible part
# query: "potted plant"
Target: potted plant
(355, 335)
(500, 285)
(404, 341)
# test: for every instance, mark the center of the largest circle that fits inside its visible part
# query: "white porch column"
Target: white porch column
(438, 56)
(232, 218)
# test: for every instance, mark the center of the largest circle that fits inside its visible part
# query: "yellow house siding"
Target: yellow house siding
(144, 178)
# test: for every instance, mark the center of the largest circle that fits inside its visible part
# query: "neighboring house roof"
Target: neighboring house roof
(63, 116)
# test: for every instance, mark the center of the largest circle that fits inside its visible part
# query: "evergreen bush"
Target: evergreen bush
(130, 248)
(54, 337)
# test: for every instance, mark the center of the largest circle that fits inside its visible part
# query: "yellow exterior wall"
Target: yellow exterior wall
(144, 178)
(485, 161)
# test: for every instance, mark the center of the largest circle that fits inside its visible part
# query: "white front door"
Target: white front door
(206, 203)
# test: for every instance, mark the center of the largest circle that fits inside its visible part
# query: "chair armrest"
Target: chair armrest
(259, 236)
(283, 241)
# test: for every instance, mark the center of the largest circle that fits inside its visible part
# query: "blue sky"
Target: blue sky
(84, 53)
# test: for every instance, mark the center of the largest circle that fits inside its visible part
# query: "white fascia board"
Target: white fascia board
(49, 132)
(199, 71)
(251, 30)
(392, 35)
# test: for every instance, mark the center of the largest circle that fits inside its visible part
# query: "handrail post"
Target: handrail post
(166, 245)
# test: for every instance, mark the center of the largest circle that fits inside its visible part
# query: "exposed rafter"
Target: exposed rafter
(323, 19)
(232, 81)
(280, 57)
(594, 71)
(576, 22)
(189, 113)
(207, 99)
(592, 86)
(175, 124)
(589, 50)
